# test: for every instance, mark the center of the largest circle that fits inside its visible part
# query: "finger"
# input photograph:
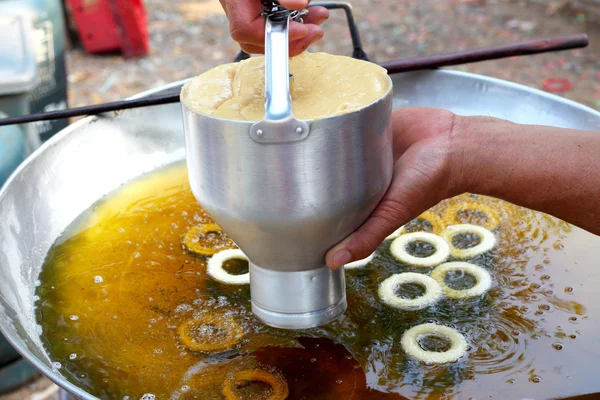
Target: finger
(315, 33)
(413, 124)
(294, 4)
(254, 33)
(252, 48)
(412, 192)
(316, 15)
(245, 23)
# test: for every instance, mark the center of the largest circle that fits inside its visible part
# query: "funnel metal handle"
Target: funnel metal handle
(279, 124)
(278, 101)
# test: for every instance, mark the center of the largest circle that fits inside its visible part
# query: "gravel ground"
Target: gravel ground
(189, 37)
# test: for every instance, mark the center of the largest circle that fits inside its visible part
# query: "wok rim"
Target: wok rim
(75, 390)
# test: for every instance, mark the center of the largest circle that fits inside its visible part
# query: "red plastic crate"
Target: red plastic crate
(109, 25)
(132, 26)
(96, 25)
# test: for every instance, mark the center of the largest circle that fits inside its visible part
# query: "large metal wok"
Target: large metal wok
(96, 155)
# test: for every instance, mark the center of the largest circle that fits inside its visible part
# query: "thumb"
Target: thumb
(417, 186)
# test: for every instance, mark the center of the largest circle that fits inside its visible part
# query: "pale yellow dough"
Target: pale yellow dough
(324, 85)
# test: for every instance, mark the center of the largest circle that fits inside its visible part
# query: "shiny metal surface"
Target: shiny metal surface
(303, 299)
(279, 124)
(96, 155)
(285, 203)
(278, 102)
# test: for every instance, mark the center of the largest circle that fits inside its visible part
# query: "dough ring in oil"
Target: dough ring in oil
(487, 240)
(491, 215)
(206, 240)
(441, 253)
(483, 279)
(216, 271)
(211, 333)
(278, 384)
(437, 225)
(360, 263)
(411, 338)
(387, 291)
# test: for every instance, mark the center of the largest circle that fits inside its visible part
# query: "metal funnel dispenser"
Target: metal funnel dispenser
(287, 190)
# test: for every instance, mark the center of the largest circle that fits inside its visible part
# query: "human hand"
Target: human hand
(247, 27)
(424, 174)
(440, 155)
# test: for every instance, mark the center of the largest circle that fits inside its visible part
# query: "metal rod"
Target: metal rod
(93, 110)
(354, 34)
(486, 54)
(396, 66)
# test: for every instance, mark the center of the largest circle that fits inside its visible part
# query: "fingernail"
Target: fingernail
(341, 257)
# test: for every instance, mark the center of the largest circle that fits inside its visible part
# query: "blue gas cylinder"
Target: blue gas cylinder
(12, 150)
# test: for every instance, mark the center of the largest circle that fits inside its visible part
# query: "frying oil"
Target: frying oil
(119, 283)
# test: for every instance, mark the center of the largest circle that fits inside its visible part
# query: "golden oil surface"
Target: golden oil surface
(119, 283)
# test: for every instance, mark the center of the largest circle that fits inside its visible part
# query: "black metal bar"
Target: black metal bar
(358, 52)
(487, 53)
(242, 55)
(396, 66)
(92, 110)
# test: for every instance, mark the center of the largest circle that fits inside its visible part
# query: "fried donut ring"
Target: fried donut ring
(210, 334)
(196, 240)
(436, 225)
(216, 270)
(492, 217)
(487, 240)
(278, 384)
(482, 277)
(442, 249)
(410, 343)
(387, 294)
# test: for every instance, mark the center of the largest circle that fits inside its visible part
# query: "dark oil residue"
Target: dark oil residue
(119, 282)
